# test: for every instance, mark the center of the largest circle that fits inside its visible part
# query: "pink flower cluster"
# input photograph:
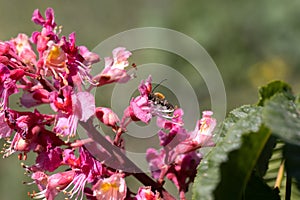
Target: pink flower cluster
(48, 68)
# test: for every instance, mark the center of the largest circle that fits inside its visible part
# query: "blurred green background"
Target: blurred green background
(251, 42)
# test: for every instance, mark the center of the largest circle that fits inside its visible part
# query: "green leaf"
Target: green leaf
(281, 116)
(266, 92)
(257, 189)
(225, 172)
(274, 164)
(272, 172)
(292, 157)
(263, 161)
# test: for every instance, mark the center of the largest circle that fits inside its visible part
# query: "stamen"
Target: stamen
(79, 183)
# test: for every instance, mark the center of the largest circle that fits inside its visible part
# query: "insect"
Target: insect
(134, 65)
(158, 99)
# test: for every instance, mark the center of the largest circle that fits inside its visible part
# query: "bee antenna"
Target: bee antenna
(159, 84)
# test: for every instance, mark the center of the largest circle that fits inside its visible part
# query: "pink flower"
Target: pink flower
(207, 124)
(145, 87)
(66, 125)
(7, 86)
(5, 130)
(46, 22)
(181, 171)
(140, 107)
(145, 193)
(50, 186)
(49, 160)
(157, 164)
(120, 58)
(48, 32)
(24, 122)
(184, 170)
(200, 137)
(178, 159)
(113, 188)
(176, 132)
(30, 132)
(34, 98)
(55, 62)
(60, 57)
(174, 124)
(79, 59)
(8, 55)
(86, 168)
(56, 75)
(170, 139)
(20, 144)
(24, 49)
(63, 103)
(143, 107)
(114, 70)
(71, 108)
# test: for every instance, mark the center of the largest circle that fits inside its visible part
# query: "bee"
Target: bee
(134, 65)
(159, 100)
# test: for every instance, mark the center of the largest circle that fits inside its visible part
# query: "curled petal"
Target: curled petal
(37, 17)
(40, 20)
(50, 17)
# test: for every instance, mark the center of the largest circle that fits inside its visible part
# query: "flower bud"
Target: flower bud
(107, 116)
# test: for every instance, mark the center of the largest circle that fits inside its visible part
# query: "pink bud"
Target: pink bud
(107, 116)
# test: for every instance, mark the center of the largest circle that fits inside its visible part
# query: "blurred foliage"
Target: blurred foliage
(246, 161)
(252, 42)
